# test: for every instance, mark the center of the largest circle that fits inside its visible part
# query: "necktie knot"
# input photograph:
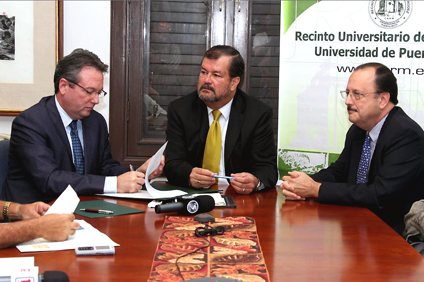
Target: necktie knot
(73, 125)
(216, 114)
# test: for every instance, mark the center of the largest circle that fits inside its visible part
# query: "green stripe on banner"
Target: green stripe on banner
(293, 9)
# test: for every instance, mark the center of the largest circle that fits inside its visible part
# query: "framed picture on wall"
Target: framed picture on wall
(30, 45)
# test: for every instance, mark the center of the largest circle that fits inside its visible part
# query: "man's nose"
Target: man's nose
(348, 100)
(208, 79)
(95, 98)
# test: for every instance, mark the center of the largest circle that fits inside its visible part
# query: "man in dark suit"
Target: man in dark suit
(393, 178)
(247, 152)
(47, 154)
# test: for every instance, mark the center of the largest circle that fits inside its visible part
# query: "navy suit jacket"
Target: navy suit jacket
(40, 157)
(396, 172)
(249, 143)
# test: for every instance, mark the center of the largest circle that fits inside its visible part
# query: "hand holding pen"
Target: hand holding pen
(131, 181)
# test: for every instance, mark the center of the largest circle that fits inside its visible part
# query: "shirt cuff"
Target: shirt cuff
(111, 184)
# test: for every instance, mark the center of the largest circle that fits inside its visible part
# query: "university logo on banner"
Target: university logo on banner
(390, 14)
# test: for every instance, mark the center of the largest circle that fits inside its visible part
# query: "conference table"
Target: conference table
(301, 241)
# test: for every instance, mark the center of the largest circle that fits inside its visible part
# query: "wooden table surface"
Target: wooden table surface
(301, 241)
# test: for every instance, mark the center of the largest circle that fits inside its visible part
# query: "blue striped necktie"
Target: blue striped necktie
(77, 148)
(365, 161)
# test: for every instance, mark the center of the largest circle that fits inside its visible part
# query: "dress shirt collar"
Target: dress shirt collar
(225, 110)
(66, 119)
(375, 131)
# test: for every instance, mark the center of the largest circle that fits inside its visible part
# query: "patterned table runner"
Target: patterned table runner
(236, 254)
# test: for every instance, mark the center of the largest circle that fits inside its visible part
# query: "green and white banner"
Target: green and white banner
(323, 42)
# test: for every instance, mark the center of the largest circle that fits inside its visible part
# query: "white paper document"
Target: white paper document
(153, 165)
(87, 235)
(66, 203)
(151, 192)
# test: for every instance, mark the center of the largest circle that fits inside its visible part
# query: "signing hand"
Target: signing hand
(130, 182)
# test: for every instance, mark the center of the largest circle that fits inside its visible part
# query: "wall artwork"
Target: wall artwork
(28, 53)
(7, 37)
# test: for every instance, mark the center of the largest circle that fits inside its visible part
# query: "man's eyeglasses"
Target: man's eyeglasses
(101, 93)
(355, 95)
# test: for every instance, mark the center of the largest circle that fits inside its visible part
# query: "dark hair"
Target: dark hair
(385, 81)
(70, 66)
(237, 63)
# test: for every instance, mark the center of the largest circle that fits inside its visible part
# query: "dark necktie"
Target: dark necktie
(365, 161)
(77, 148)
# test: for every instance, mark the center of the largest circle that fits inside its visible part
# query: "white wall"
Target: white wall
(86, 25)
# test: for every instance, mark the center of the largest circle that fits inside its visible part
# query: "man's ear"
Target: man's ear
(63, 83)
(384, 99)
(234, 83)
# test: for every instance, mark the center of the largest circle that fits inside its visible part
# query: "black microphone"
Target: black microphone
(188, 205)
(48, 276)
(53, 276)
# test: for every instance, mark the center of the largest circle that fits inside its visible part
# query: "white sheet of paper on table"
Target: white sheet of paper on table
(87, 235)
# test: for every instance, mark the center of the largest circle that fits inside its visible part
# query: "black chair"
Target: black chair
(4, 158)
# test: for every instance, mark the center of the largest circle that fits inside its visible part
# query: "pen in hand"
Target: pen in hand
(131, 167)
(97, 211)
(223, 176)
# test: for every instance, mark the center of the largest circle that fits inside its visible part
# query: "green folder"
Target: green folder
(102, 205)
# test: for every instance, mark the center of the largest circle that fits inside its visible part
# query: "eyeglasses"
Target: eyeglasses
(355, 95)
(101, 93)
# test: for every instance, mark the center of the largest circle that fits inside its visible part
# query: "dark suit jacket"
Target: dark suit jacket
(249, 143)
(40, 158)
(396, 173)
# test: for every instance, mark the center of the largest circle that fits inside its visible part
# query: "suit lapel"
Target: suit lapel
(234, 125)
(381, 138)
(58, 125)
(200, 120)
(88, 135)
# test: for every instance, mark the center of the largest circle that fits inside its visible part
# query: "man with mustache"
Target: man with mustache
(391, 178)
(62, 141)
(247, 152)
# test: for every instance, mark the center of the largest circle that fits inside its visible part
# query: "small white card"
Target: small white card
(18, 269)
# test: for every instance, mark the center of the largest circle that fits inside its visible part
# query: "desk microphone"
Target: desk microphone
(48, 276)
(188, 205)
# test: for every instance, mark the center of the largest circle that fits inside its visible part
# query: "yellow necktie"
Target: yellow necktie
(212, 155)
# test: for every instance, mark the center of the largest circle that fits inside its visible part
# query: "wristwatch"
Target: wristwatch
(260, 186)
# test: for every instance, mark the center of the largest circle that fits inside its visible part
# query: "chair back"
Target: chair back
(4, 158)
